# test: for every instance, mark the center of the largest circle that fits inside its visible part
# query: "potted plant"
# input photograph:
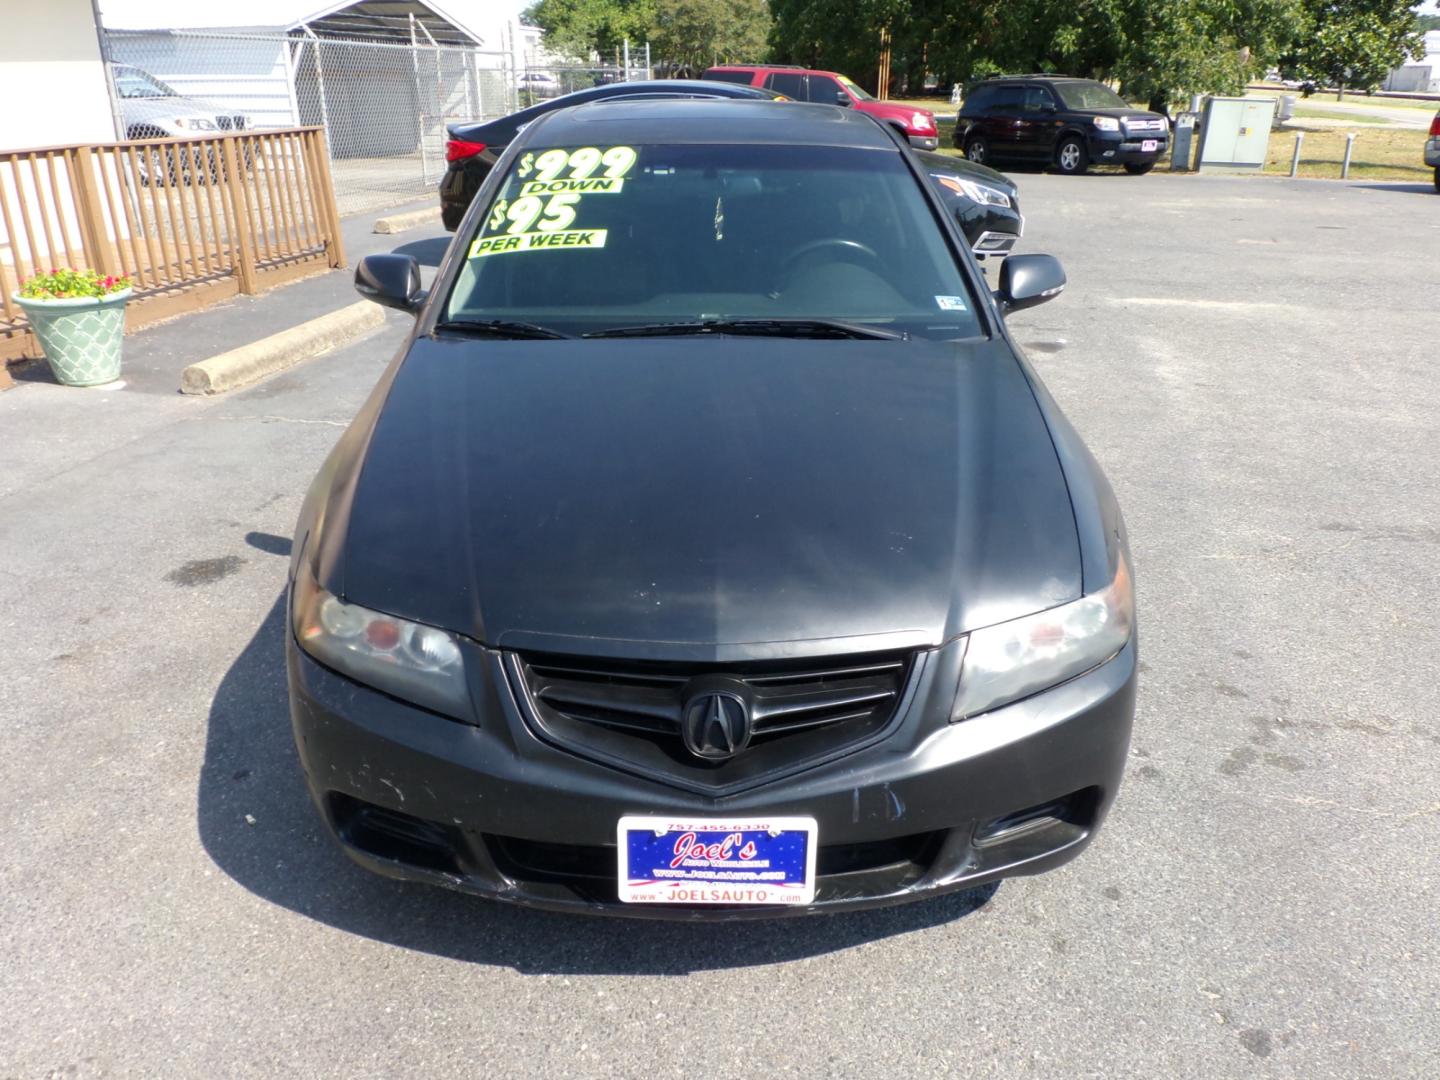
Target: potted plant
(79, 318)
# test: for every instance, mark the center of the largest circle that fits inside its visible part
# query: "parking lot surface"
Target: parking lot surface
(1254, 363)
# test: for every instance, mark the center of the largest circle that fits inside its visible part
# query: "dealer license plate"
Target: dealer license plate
(1149, 145)
(666, 860)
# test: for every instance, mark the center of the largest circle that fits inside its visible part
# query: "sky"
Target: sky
(144, 14)
(169, 13)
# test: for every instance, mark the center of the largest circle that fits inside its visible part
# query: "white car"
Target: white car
(152, 109)
(540, 84)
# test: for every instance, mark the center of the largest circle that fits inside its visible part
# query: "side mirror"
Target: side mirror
(1027, 280)
(842, 98)
(390, 280)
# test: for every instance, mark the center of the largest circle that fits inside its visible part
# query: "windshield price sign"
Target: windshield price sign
(552, 185)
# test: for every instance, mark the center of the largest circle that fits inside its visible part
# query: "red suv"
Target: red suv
(831, 88)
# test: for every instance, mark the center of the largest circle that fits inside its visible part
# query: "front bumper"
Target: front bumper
(924, 142)
(1114, 148)
(991, 230)
(932, 808)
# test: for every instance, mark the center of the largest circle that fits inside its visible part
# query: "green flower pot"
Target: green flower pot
(81, 337)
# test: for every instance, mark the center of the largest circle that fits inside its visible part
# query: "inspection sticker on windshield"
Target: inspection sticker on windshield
(951, 303)
(716, 861)
(537, 241)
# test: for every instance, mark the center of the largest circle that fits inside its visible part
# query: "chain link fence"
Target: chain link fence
(384, 106)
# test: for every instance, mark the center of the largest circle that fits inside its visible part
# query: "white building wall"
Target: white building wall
(53, 92)
(52, 80)
(1421, 74)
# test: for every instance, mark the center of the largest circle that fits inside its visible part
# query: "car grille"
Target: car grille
(1135, 124)
(629, 714)
(842, 871)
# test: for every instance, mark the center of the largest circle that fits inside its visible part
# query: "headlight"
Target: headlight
(922, 122)
(411, 661)
(1107, 123)
(195, 123)
(981, 193)
(1012, 660)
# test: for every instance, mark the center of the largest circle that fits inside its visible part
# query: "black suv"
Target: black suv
(1069, 123)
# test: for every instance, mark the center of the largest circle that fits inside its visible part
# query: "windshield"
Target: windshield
(134, 83)
(1089, 95)
(594, 238)
(860, 93)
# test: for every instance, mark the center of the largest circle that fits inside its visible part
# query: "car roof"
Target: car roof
(788, 68)
(679, 120)
(682, 86)
(1036, 78)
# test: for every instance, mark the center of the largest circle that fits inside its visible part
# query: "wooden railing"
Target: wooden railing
(191, 221)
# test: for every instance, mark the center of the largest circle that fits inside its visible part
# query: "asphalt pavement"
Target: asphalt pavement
(1253, 361)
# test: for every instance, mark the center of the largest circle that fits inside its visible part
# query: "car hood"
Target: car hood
(885, 108)
(944, 163)
(709, 498)
(171, 107)
(1126, 114)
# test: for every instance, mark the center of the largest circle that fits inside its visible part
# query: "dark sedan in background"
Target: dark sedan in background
(472, 149)
(986, 203)
(710, 549)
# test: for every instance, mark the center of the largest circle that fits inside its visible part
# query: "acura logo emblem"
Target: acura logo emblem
(716, 725)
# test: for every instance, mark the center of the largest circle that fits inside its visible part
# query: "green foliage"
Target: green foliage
(1353, 43)
(70, 284)
(691, 35)
(1173, 50)
(687, 34)
(576, 28)
(1158, 50)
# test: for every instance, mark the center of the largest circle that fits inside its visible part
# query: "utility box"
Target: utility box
(1235, 134)
(1184, 138)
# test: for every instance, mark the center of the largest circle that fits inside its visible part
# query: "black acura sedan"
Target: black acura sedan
(710, 549)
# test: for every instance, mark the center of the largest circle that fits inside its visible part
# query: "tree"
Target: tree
(691, 35)
(1159, 50)
(1172, 50)
(578, 28)
(1353, 43)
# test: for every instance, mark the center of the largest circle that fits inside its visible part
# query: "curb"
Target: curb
(242, 366)
(413, 219)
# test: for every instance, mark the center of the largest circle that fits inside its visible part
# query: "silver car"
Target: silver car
(152, 110)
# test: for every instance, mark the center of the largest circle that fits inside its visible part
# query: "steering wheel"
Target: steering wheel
(848, 246)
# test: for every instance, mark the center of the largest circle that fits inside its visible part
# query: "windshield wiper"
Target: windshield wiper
(801, 328)
(499, 328)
